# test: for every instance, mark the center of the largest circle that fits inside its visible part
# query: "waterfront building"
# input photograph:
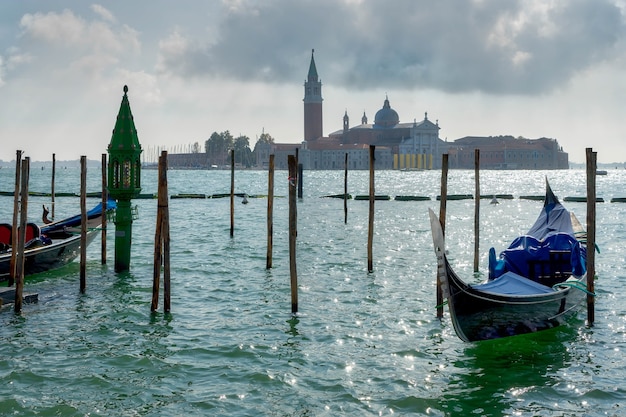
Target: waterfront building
(507, 152)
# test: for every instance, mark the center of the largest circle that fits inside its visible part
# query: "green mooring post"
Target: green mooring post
(124, 180)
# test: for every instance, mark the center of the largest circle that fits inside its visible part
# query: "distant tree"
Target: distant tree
(243, 153)
(218, 146)
(195, 148)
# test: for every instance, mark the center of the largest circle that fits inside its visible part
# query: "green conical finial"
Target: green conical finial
(124, 137)
(124, 152)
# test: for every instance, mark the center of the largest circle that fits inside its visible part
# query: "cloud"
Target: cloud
(65, 42)
(103, 13)
(521, 47)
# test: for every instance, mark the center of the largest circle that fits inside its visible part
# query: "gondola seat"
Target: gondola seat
(32, 232)
(557, 268)
(5, 233)
(5, 236)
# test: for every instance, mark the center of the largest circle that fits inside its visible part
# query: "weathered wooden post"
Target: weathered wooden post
(16, 200)
(270, 212)
(83, 224)
(345, 191)
(54, 168)
(443, 199)
(103, 224)
(591, 234)
(162, 241)
(124, 179)
(300, 180)
(476, 208)
(21, 240)
(370, 229)
(293, 231)
(232, 192)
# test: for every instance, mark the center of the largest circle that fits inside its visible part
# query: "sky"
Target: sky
(530, 68)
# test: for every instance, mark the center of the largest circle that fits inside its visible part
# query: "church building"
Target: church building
(397, 145)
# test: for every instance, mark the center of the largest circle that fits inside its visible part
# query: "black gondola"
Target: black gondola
(52, 245)
(539, 282)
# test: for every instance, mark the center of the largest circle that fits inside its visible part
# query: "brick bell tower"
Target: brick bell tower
(312, 104)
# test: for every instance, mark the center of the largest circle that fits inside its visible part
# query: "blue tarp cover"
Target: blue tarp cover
(512, 284)
(75, 220)
(552, 231)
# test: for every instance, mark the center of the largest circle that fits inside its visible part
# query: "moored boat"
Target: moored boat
(52, 245)
(537, 283)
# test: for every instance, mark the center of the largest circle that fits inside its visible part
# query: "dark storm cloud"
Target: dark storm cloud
(452, 45)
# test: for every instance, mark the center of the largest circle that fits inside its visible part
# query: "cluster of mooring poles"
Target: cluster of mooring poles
(295, 173)
(591, 225)
(122, 184)
(20, 226)
(16, 277)
(162, 241)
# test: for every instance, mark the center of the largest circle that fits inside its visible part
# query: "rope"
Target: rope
(574, 284)
(442, 304)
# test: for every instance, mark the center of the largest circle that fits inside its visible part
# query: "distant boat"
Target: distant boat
(601, 172)
(538, 283)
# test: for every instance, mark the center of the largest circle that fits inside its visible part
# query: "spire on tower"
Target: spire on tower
(312, 69)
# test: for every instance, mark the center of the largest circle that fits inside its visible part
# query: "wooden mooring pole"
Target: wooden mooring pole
(591, 233)
(16, 200)
(293, 231)
(345, 191)
(54, 168)
(370, 228)
(162, 241)
(300, 180)
(476, 208)
(270, 212)
(103, 224)
(21, 239)
(232, 192)
(83, 224)
(442, 220)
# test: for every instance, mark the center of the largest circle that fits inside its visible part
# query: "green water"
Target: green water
(362, 343)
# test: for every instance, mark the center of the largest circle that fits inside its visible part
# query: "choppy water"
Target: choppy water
(362, 343)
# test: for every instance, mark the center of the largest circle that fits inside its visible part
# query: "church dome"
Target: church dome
(386, 117)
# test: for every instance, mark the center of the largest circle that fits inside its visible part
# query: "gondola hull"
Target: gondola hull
(479, 315)
(60, 243)
(45, 258)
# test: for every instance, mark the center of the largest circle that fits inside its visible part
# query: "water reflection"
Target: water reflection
(495, 377)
